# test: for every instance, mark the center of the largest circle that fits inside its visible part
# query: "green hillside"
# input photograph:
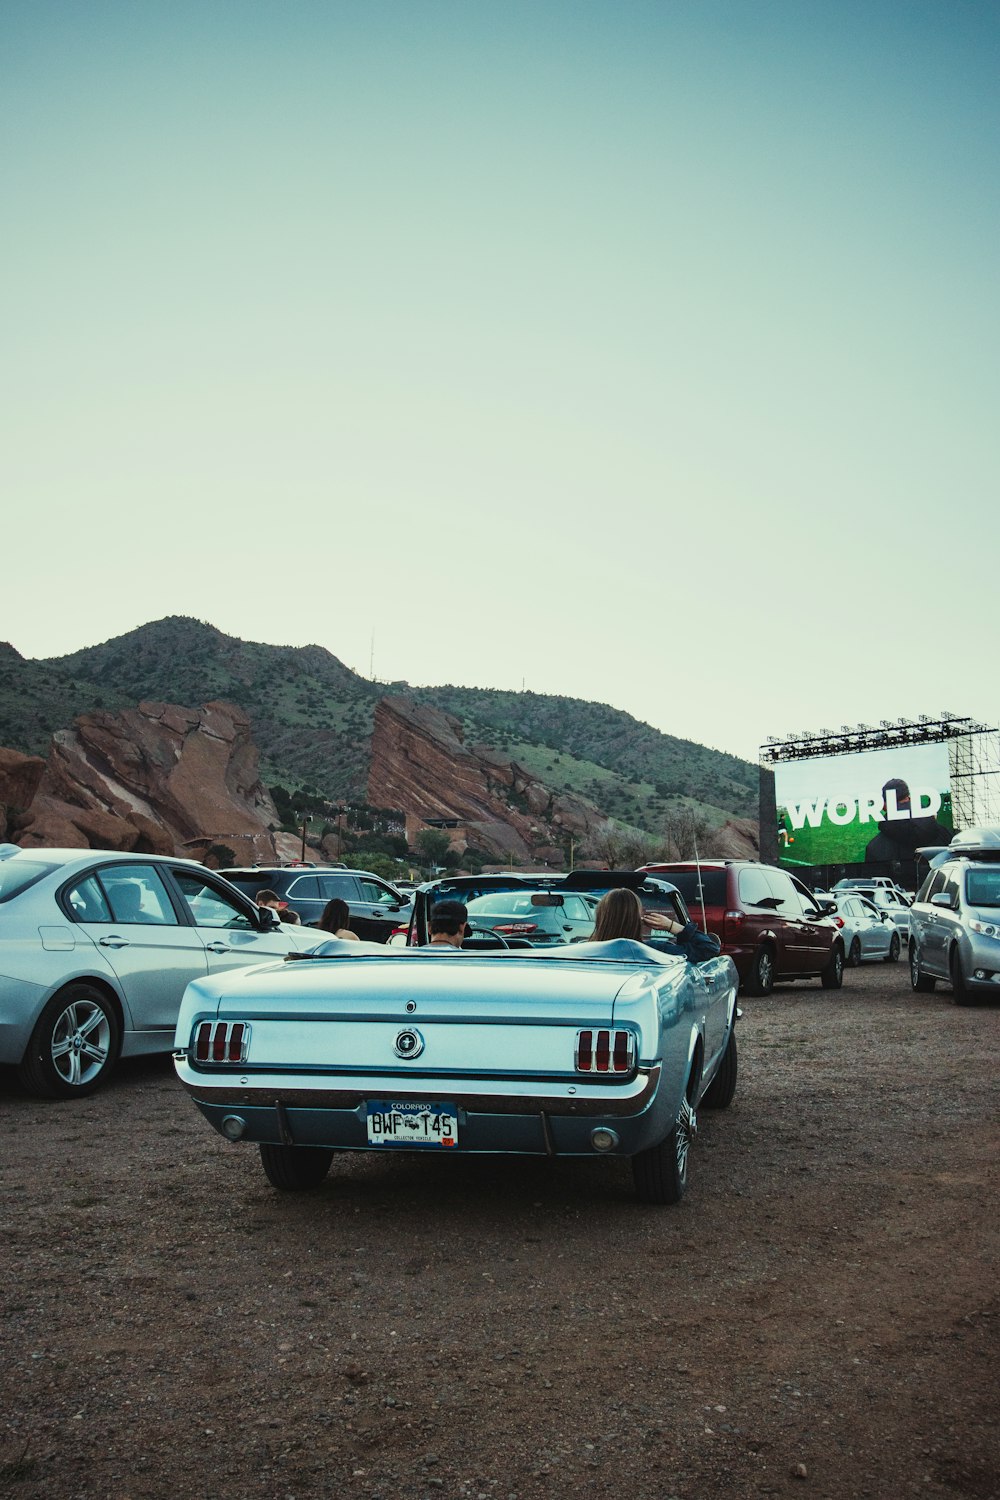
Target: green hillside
(312, 720)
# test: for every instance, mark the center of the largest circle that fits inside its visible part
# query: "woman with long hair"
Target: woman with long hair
(620, 914)
(336, 915)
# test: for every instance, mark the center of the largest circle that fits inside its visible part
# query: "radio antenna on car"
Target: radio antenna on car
(701, 888)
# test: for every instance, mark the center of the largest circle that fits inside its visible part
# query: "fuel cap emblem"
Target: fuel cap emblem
(408, 1043)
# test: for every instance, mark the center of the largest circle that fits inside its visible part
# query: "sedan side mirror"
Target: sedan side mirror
(267, 918)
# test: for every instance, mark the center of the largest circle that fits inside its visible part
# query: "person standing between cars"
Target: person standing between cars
(335, 919)
(271, 900)
(620, 914)
(448, 923)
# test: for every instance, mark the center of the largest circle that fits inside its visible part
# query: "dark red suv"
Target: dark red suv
(769, 924)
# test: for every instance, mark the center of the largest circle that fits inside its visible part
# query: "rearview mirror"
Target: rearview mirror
(546, 898)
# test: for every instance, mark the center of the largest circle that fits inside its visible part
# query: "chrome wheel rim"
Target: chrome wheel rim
(684, 1134)
(765, 970)
(81, 1042)
(914, 968)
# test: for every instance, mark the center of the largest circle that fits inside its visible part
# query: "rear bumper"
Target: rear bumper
(531, 1121)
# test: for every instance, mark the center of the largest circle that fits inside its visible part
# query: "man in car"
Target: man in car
(448, 923)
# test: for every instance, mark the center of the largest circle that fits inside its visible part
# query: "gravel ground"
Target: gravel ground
(819, 1316)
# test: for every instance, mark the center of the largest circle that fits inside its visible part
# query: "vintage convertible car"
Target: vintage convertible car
(593, 1048)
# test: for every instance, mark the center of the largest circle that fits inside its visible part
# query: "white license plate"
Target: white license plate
(391, 1123)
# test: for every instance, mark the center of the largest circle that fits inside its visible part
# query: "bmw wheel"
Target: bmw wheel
(73, 1046)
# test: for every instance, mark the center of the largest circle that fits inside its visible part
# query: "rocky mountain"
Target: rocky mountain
(313, 720)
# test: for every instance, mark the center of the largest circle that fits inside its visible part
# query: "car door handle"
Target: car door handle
(217, 947)
(113, 942)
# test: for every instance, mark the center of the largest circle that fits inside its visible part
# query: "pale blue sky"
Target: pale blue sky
(642, 352)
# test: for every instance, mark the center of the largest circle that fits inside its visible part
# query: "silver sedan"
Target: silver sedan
(96, 949)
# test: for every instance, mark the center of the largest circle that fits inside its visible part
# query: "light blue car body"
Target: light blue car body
(499, 1039)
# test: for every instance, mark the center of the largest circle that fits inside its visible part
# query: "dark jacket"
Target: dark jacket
(692, 944)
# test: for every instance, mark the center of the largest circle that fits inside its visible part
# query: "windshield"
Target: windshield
(17, 874)
(712, 889)
(982, 886)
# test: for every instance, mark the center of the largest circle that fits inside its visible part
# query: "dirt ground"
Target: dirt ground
(817, 1318)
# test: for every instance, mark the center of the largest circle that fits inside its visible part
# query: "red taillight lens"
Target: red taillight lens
(839, 921)
(732, 921)
(226, 1042)
(513, 927)
(605, 1051)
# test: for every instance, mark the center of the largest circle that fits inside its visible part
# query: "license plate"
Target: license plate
(391, 1123)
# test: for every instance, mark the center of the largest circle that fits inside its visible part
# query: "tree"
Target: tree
(379, 864)
(433, 845)
(687, 833)
(218, 857)
(619, 846)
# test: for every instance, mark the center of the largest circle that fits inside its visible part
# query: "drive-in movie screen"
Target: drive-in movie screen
(872, 807)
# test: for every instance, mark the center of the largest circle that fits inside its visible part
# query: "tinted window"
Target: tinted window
(17, 874)
(935, 884)
(304, 888)
(371, 890)
(136, 895)
(578, 910)
(712, 888)
(337, 885)
(753, 887)
(251, 881)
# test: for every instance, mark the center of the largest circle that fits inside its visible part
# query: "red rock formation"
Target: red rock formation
(420, 763)
(19, 779)
(154, 779)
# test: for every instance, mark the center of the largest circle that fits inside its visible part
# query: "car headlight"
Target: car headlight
(986, 929)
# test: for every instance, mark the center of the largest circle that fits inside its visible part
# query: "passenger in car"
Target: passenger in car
(620, 915)
(448, 923)
(335, 919)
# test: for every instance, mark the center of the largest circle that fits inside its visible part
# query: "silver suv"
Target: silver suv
(955, 923)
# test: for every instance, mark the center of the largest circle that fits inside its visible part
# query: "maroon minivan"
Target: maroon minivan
(769, 924)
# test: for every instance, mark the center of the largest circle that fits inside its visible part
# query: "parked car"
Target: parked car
(541, 918)
(96, 948)
(584, 1049)
(955, 922)
(769, 924)
(376, 906)
(895, 904)
(868, 932)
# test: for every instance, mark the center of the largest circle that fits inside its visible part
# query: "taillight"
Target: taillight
(732, 921)
(605, 1051)
(839, 921)
(225, 1042)
(514, 927)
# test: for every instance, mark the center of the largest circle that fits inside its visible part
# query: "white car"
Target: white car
(868, 932)
(97, 947)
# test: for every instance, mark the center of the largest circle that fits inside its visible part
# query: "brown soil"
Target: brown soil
(819, 1317)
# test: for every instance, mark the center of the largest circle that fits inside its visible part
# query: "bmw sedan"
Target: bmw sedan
(96, 949)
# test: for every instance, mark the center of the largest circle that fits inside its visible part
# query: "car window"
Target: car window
(868, 910)
(136, 894)
(372, 890)
(87, 902)
(951, 891)
(577, 910)
(17, 875)
(337, 885)
(303, 888)
(935, 884)
(207, 905)
(753, 887)
(982, 886)
(783, 891)
(711, 890)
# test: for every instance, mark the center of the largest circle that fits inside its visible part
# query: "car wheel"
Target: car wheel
(292, 1168)
(960, 992)
(854, 956)
(660, 1173)
(892, 957)
(761, 981)
(73, 1046)
(832, 977)
(922, 983)
(719, 1094)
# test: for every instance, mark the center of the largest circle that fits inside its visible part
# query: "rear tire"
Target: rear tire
(719, 1094)
(660, 1173)
(960, 992)
(892, 957)
(74, 1044)
(294, 1168)
(832, 977)
(761, 980)
(854, 956)
(922, 983)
